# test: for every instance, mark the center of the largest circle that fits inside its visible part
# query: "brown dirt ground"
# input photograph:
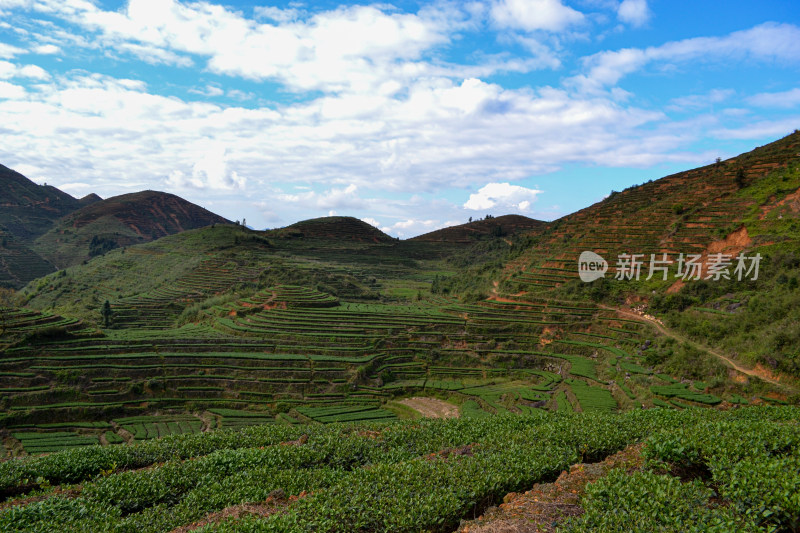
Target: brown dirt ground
(270, 506)
(431, 407)
(73, 492)
(542, 508)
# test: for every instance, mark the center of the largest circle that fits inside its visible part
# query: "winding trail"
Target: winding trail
(680, 338)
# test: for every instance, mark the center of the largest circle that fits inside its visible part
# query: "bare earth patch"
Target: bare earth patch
(542, 508)
(273, 504)
(431, 407)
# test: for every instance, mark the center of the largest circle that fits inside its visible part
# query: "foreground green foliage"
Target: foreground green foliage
(425, 475)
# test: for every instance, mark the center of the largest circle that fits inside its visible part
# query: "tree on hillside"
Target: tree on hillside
(7, 301)
(106, 312)
(740, 177)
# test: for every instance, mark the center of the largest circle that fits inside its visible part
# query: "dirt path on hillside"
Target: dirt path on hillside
(758, 372)
(431, 407)
(495, 296)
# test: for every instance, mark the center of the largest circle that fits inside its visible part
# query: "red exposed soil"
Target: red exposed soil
(792, 200)
(731, 245)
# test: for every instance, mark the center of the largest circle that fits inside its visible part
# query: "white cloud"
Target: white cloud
(46, 49)
(531, 15)
(8, 51)
(502, 196)
(634, 12)
(11, 91)
(276, 14)
(348, 48)
(344, 198)
(393, 115)
(209, 171)
(208, 90)
(77, 189)
(413, 226)
(33, 72)
(765, 42)
(761, 129)
(790, 98)
(10, 70)
(371, 221)
(155, 55)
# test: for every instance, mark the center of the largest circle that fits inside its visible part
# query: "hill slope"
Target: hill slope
(747, 204)
(120, 221)
(29, 210)
(334, 229)
(496, 226)
(20, 265)
(681, 213)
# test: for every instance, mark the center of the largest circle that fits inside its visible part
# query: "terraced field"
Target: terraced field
(290, 354)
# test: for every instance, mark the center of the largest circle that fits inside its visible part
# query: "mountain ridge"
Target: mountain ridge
(120, 221)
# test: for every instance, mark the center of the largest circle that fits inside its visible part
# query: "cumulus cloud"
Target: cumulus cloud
(155, 55)
(634, 12)
(46, 49)
(8, 51)
(209, 171)
(9, 91)
(347, 48)
(502, 196)
(531, 15)
(10, 70)
(371, 221)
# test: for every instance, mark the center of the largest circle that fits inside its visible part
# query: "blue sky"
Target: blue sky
(409, 115)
